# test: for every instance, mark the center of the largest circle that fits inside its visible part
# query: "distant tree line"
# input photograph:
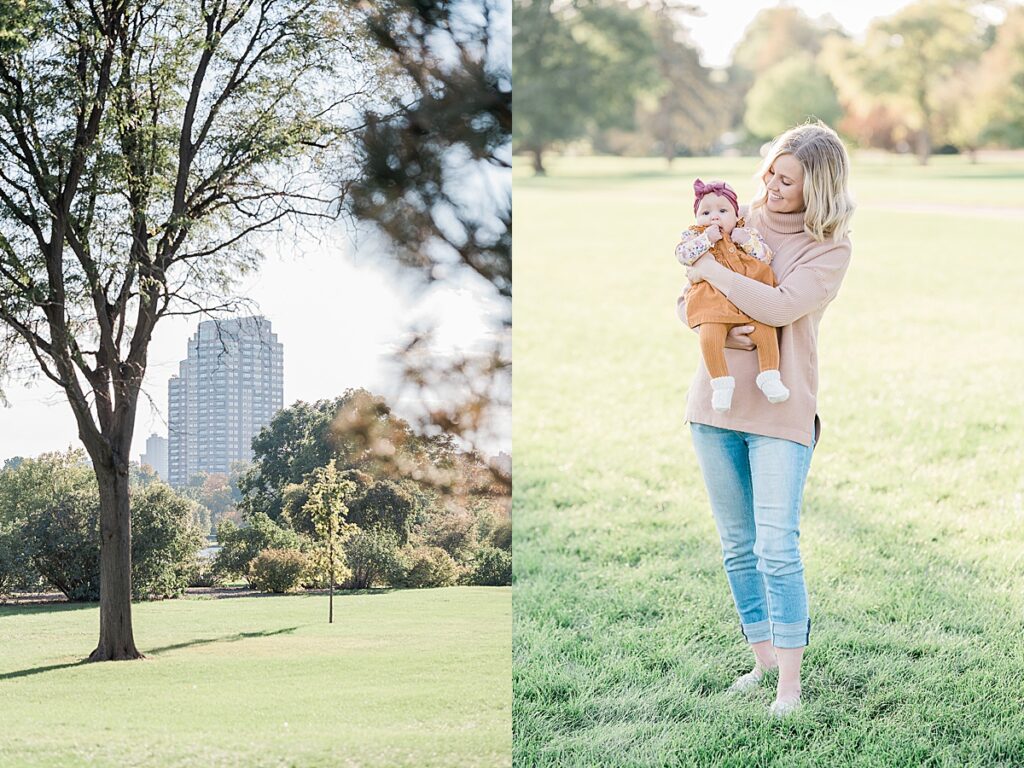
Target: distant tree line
(935, 76)
(429, 515)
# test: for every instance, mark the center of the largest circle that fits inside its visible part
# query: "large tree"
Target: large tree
(578, 67)
(145, 143)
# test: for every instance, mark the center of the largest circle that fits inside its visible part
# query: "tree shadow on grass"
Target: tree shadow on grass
(153, 651)
(47, 606)
(226, 639)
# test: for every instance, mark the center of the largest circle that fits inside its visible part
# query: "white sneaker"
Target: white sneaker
(784, 708)
(721, 393)
(770, 382)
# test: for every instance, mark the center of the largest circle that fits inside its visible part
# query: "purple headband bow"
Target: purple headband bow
(717, 188)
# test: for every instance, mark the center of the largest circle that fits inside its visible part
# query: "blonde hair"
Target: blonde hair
(828, 206)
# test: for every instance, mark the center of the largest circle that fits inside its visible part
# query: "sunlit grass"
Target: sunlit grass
(407, 678)
(913, 527)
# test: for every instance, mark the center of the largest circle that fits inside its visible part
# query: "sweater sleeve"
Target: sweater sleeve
(808, 287)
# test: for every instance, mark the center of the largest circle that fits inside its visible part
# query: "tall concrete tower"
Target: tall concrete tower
(227, 389)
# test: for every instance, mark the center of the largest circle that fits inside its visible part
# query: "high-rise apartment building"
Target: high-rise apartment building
(227, 389)
(156, 455)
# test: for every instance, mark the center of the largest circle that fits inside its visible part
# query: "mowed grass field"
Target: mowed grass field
(404, 678)
(625, 635)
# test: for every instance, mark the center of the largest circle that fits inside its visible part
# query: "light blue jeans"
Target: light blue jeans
(755, 485)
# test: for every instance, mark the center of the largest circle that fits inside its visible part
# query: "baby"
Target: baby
(719, 229)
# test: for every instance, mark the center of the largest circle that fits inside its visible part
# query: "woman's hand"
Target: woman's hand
(700, 269)
(739, 337)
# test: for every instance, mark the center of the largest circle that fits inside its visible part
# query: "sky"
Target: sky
(717, 32)
(341, 312)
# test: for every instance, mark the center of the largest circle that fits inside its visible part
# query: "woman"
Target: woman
(755, 458)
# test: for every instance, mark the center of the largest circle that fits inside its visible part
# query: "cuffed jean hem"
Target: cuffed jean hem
(795, 635)
(757, 632)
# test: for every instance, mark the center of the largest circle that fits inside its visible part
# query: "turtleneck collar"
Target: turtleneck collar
(783, 223)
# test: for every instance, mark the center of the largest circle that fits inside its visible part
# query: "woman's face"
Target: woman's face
(785, 183)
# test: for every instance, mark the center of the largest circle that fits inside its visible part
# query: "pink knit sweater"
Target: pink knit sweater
(809, 274)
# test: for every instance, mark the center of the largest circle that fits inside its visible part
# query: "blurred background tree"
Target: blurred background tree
(685, 111)
(788, 93)
(579, 69)
(932, 75)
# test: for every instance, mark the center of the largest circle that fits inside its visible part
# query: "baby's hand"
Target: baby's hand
(714, 233)
(740, 235)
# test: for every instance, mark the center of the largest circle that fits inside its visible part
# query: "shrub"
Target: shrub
(16, 571)
(373, 557)
(165, 540)
(204, 574)
(430, 567)
(241, 545)
(451, 528)
(57, 502)
(492, 567)
(278, 570)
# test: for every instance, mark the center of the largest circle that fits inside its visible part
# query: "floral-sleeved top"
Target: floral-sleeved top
(695, 243)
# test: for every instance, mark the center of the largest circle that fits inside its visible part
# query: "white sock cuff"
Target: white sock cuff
(724, 382)
(770, 375)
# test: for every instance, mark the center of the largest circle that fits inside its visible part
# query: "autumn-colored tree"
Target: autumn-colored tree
(1000, 85)
(907, 57)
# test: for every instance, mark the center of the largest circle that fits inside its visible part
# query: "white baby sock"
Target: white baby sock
(721, 393)
(770, 382)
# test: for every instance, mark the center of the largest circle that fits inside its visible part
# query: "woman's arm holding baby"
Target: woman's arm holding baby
(806, 288)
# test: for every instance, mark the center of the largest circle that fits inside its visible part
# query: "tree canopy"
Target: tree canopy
(145, 145)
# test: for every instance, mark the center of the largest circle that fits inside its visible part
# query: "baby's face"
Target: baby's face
(716, 209)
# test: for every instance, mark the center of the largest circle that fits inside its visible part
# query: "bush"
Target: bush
(373, 557)
(491, 568)
(430, 567)
(165, 540)
(204, 574)
(16, 571)
(57, 502)
(278, 570)
(241, 545)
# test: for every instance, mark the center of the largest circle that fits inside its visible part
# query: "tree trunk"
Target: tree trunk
(117, 642)
(924, 146)
(330, 555)
(538, 162)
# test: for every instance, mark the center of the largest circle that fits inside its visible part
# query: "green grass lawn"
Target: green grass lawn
(403, 678)
(625, 635)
